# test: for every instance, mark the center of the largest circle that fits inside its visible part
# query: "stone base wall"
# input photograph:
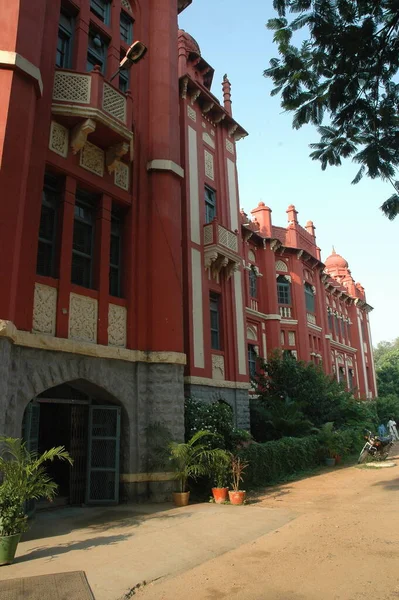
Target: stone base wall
(238, 400)
(147, 393)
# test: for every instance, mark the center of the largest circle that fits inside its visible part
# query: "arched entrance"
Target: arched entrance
(87, 421)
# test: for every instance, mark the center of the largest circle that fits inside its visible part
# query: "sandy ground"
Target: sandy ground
(343, 544)
(332, 536)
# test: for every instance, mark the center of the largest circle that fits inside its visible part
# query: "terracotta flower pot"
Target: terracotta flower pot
(220, 494)
(237, 497)
(338, 459)
(181, 498)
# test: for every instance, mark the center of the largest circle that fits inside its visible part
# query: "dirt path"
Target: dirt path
(342, 545)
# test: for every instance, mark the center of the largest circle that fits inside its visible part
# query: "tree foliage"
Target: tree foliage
(295, 397)
(344, 73)
(382, 349)
(388, 374)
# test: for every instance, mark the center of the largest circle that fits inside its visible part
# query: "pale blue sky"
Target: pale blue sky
(274, 164)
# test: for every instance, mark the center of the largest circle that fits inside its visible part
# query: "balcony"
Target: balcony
(86, 104)
(221, 250)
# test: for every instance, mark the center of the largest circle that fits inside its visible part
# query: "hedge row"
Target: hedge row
(278, 459)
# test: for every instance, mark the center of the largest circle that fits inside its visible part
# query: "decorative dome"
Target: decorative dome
(336, 261)
(190, 43)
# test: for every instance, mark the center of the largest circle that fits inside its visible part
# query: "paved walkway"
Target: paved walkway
(126, 545)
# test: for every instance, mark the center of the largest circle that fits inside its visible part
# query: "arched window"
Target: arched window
(253, 283)
(283, 290)
(309, 298)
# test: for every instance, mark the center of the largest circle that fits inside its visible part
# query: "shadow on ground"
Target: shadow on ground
(97, 520)
(52, 551)
(392, 485)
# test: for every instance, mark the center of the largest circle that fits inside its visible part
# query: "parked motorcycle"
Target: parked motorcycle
(375, 447)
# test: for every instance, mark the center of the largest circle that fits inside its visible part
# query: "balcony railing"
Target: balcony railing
(221, 249)
(285, 312)
(254, 304)
(311, 318)
(219, 235)
(88, 91)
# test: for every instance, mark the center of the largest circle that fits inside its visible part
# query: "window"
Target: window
(64, 43)
(252, 357)
(351, 377)
(215, 321)
(83, 239)
(341, 375)
(46, 252)
(96, 52)
(283, 290)
(124, 80)
(253, 283)
(210, 204)
(126, 28)
(330, 321)
(115, 260)
(100, 8)
(336, 326)
(309, 298)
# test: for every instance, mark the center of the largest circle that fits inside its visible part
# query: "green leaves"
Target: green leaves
(24, 479)
(345, 71)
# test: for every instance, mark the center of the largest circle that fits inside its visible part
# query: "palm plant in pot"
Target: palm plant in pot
(330, 443)
(24, 478)
(238, 466)
(189, 460)
(219, 471)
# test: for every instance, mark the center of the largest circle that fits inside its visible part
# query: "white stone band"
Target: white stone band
(165, 165)
(16, 61)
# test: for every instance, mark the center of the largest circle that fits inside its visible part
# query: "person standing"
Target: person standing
(382, 430)
(392, 429)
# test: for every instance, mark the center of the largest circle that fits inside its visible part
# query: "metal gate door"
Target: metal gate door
(103, 455)
(30, 426)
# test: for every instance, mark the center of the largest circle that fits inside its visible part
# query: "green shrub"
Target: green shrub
(216, 417)
(277, 459)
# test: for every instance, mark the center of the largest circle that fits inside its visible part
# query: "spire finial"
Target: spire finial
(333, 250)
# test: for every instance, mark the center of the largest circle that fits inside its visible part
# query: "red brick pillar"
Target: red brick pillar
(102, 250)
(164, 266)
(65, 259)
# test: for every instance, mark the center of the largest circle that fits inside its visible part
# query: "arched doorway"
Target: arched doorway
(87, 421)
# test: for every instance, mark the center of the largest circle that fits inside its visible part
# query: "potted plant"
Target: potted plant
(219, 471)
(330, 443)
(238, 466)
(189, 460)
(24, 478)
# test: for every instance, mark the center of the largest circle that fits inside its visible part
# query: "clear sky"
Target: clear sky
(274, 164)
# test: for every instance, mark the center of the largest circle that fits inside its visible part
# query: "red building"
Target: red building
(132, 277)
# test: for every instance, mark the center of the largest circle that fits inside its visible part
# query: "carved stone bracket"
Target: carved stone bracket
(114, 154)
(80, 133)
(299, 253)
(233, 129)
(275, 245)
(183, 87)
(195, 95)
(207, 107)
(247, 235)
(216, 261)
(219, 118)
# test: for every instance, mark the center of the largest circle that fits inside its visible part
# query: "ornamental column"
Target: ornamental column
(165, 308)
